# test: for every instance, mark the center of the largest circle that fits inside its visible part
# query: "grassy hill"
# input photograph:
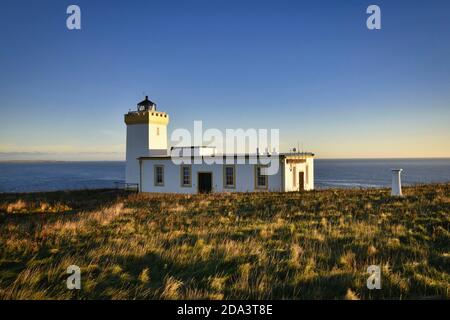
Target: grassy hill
(311, 245)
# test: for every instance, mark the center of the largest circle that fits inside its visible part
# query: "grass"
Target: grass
(312, 245)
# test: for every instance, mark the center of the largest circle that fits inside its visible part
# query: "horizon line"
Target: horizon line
(317, 158)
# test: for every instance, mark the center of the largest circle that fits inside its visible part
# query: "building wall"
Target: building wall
(307, 168)
(310, 173)
(245, 178)
(137, 146)
(157, 142)
(143, 141)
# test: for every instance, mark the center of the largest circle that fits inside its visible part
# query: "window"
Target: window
(157, 131)
(229, 176)
(159, 175)
(186, 176)
(261, 180)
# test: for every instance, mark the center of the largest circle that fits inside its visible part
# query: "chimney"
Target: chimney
(396, 182)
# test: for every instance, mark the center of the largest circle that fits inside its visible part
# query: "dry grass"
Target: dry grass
(311, 245)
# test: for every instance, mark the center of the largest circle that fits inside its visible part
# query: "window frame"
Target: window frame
(182, 184)
(225, 184)
(155, 175)
(257, 186)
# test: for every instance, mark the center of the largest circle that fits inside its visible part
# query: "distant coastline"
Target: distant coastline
(56, 161)
(317, 158)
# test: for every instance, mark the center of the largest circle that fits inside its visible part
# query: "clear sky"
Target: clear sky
(310, 68)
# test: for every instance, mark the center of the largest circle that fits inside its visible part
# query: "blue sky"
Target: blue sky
(310, 68)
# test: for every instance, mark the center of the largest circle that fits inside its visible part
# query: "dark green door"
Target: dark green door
(204, 182)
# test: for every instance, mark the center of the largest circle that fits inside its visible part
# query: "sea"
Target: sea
(329, 173)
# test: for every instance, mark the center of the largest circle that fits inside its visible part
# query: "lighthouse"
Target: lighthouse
(151, 167)
(146, 136)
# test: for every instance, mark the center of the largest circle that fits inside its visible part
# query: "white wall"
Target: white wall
(245, 179)
(137, 146)
(143, 141)
(310, 174)
(307, 168)
(157, 142)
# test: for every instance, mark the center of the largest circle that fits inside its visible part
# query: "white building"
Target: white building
(149, 163)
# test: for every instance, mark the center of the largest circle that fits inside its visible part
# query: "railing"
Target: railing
(127, 186)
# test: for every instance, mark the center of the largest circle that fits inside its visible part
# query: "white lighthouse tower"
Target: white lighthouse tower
(146, 136)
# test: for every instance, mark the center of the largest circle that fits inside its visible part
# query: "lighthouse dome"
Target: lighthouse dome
(146, 104)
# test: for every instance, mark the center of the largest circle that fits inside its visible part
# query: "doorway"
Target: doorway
(204, 182)
(301, 181)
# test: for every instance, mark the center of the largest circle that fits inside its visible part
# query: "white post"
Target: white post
(396, 182)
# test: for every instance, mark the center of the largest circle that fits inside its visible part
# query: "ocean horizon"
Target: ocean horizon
(55, 175)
